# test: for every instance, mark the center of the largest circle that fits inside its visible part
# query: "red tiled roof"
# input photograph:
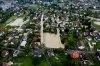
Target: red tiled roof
(4, 64)
(75, 54)
(35, 39)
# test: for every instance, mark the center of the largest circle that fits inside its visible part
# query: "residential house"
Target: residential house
(35, 39)
(80, 45)
(22, 45)
(97, 38)
(4, 64)
(36, 49)
(4, 53)
(89, 38)
(75, 54)
(35, 45)
(98, 55)
(37, 52)
(10, 63)
(86, 33)
(85, 57)
(94, 33)
(1, 32)
(15, 54)
(50, 52)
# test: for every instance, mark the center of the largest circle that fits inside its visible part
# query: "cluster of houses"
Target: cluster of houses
(90, 38)
(10, 42)
(50, 23)
(6, 63)
(36, 48)
(84, 57)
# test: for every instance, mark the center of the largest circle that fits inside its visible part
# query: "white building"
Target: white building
(23, 44)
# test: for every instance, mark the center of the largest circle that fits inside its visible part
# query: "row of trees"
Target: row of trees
(5, 15)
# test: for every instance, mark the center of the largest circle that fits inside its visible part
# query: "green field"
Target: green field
(28, 61)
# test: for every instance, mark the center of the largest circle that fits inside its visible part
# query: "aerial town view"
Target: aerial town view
(49, 32)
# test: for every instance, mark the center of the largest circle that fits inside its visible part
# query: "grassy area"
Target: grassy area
(4, 58)
(43, 63)
(59, 59)
(28, 61)
(24, 61)
(97, 26)
(97, 45)
(12, 18)
(95, 60)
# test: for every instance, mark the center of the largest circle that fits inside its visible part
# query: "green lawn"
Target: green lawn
(25, 61)
(43, 63)
(11, 19)
(28, 61)
(97, 45)
(97, 26)
(58, 60)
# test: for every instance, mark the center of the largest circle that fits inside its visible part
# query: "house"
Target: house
(1, 32)
(10, 38)
(24, 38)
(23, 44)
(4, 53)
(35, 45)
(75, 54)
(66, 31)
(89, 38)
(80, 45)
(93, 43)
(37, 52)
(16, 37)
(94, 33)
(4, 64)
(85, 57)
(35, 39)
(10, 63)
(97, 38)
(15, 53)
(37, 33)
(50, 52)
(98, 55)
(86, 33)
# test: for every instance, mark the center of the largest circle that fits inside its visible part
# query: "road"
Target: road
(42, 41)
(92, 18)
(81, 52)
(42, 29)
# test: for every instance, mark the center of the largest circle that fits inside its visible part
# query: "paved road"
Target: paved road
(94, 18)
(42, 41)
(82, 52)
(42, 29)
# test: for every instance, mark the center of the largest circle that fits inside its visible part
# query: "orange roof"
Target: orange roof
(75, 54)
(4, 64)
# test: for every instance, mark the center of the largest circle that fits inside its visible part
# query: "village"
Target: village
(45, 34)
